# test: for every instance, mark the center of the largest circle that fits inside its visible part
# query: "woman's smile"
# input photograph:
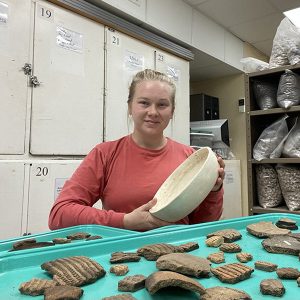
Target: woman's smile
(152, 122)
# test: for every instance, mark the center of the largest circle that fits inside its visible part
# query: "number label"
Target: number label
(45, 13)
(115, 40)
(160, 57)
(42, 171)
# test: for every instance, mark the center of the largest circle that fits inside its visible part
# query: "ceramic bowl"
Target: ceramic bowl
(187, 186)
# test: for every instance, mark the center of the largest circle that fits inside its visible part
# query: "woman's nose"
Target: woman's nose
(152, 110)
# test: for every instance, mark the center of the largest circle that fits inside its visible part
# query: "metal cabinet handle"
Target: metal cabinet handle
(27, 69)
(34, 81)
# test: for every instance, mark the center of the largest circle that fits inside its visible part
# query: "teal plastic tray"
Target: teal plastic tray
(272, 217)
(19, 268)
(104, 231)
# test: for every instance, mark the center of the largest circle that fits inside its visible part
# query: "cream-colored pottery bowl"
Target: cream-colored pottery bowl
(187, 186)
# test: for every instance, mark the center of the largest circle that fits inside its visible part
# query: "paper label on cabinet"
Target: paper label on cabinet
(133, 61)
(59, 183)
(69, 39)
(229, 178)
(6, 48)
(3, 13)
(173, 73)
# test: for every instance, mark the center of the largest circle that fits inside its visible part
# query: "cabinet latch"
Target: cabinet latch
(34, 81)
(27, 69)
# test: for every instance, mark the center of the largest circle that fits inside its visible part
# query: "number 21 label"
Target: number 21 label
(115, 40)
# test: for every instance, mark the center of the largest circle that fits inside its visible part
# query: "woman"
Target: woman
(125, 174)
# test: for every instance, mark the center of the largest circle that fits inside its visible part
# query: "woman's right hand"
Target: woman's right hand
(142, 219)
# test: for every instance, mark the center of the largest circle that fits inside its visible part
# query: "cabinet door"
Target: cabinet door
(67, 106)
(12, 176)
(14, 53)
(232, 190)
(46, 181)
(125, 57)
(178, 70)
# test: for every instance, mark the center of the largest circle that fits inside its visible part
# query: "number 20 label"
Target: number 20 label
(42, 171)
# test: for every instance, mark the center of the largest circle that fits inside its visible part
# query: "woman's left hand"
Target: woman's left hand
(220, 179)
(142, 219)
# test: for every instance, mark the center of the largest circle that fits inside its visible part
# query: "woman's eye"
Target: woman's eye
(163, 105)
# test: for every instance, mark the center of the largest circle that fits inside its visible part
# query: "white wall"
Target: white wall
(185, 24)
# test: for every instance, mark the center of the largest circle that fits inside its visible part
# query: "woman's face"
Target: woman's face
(151, 107)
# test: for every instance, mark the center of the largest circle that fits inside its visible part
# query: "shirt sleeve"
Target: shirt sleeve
(209, 210)
(74, 203)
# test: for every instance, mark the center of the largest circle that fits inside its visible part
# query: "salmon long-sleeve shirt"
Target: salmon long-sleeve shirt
(123, 176)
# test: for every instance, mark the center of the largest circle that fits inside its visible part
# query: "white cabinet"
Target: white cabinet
(125, 57)
(27, 193)
(178, 70)
(14, 53)
(73, 97)
(232, 207)
(67, 114)
(46, 180)
(12, 174)
(67, 106)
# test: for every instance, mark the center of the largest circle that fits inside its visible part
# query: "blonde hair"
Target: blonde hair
(151, 75)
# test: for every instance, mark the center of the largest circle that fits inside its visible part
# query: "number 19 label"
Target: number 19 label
(45, 13)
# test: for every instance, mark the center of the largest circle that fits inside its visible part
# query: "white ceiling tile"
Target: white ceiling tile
(258, 30)
(284, 5)
(232, 12)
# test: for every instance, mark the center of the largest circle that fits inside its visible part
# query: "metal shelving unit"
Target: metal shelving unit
(257, 120)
